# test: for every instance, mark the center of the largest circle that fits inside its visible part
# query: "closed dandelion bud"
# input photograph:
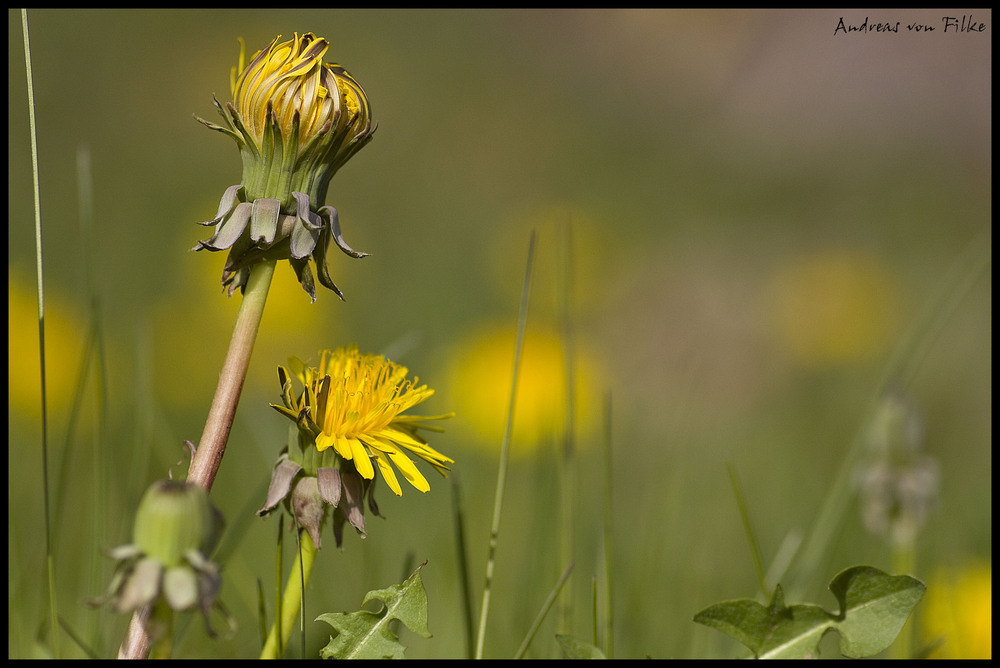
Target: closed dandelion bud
(173, 518)
(296, 121)
(176, 526)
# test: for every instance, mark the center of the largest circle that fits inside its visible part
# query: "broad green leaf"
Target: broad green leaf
(577, 649)
(873, 608)
(366, 635)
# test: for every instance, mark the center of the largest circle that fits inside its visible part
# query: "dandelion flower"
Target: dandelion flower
(351, 420)
(296, 120)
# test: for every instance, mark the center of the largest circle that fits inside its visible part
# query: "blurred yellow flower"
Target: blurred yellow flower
(958, 615)
(833, 307)
(64, 333)
(481, 378)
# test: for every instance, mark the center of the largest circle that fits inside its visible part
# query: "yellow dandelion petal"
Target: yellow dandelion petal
(401, 437)
(409, 470)
(344, 448)
(377, 443)
(361, 459)
(387, 472)
(323, 441)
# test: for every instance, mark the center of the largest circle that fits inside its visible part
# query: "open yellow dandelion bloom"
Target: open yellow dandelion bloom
(353, 406)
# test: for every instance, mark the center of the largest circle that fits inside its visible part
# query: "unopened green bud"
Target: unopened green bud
(173, 518)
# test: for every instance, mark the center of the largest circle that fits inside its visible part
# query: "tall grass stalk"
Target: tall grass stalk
(94, 355)
(49, 557)
(279, 573)
(609, 631)
(741, 503)
(595, 622)
(567, 468)
(904, 560)
(546, 606)
(522, 319)
(463, 566)
(292, 601)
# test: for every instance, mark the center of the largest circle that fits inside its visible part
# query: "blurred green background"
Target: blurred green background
(758, 211)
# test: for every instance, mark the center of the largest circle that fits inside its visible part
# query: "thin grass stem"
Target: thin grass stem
(546, 606)
(741, 503)
(608, 515)
(904, 560)
(292, 601)
(49, 557)
(261, 613)
(567, 470)
(595, 623)
(463, 567)
(279, 571)
(101, 438)
(522, 318)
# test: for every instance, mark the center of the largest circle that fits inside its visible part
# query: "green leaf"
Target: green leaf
(366, 635)
(873, 608)
(577, 649)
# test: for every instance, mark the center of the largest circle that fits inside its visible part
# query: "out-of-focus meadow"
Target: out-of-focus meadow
(754, 213)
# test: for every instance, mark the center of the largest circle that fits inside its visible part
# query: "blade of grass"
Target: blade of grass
(546, 606)
(101, 436)
(302, 589)
(608, 570)
(782, 559)
(595, 623)
(292, 599)
(522, 318)
(741, 503)
(87, 650)
(49, 557)
(567, 471)
(463, 566)
(279, 572)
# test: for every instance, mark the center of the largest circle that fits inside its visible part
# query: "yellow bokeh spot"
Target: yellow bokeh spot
(481, 380)
(958, 613)
(64, 333)
(833, 307)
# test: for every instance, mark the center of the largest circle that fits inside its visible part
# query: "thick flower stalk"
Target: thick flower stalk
(296, 120)
(350, 420)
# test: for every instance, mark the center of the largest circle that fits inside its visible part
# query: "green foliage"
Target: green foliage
(366, 635)
(577, 649)
(873, 608)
